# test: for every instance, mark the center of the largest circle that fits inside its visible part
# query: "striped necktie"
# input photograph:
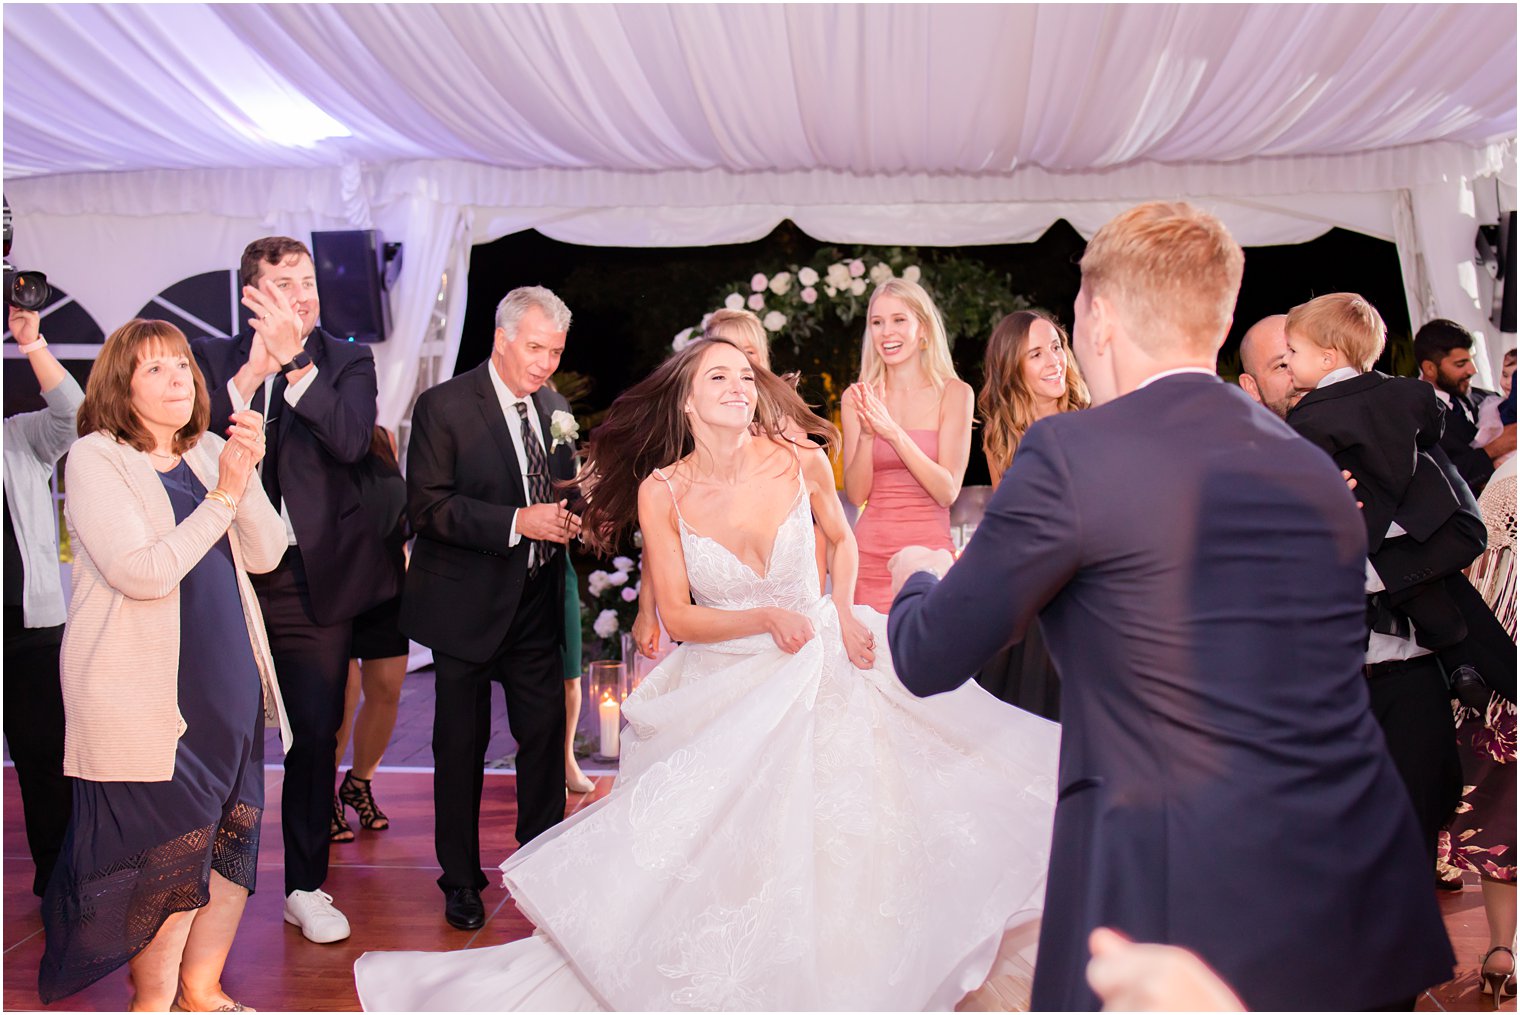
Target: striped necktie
(540, 490)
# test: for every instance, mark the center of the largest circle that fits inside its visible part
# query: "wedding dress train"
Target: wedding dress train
(786, 832)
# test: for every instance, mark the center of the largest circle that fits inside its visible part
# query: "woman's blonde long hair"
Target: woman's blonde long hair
(737, 325)
(1006, 403)
(933, 353)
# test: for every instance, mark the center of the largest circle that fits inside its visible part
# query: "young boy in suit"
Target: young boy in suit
(1382, 430)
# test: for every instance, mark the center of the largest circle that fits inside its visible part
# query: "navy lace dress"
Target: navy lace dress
(138, 852)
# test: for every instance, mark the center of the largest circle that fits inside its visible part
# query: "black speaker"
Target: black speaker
(1504, 305)
(350, 284)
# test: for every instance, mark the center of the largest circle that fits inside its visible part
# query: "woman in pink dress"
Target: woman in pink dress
(907, 435)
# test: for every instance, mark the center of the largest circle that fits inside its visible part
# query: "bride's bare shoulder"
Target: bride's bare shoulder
(814, 461)
(659, 488)
(778, 453)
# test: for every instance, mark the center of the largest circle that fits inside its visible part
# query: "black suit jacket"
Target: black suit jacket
(1197, 569)
(464, 485)
(1473, 463)
(321, 441)
(1383, 430)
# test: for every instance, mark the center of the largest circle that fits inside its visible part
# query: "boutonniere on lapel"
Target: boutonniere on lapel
(564, 429)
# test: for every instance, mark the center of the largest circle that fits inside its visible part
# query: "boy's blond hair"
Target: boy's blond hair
(1342, 321)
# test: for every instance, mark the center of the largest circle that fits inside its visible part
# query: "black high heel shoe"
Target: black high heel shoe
(338, 829)
(356, 793)
(1500, 985)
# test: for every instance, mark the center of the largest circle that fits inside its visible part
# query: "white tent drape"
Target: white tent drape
(866, 89)
(147, 143)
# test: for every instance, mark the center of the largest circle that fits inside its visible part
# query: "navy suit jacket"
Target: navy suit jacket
(1198, 571)
(463, 486)
(322, 440)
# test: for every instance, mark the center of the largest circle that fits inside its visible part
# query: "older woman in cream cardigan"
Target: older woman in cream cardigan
(167, 681)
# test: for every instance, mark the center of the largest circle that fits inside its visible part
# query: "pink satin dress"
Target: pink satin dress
(898, 513)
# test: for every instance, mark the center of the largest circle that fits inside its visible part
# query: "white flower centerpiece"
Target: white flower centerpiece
(612, 597)
(801, 299)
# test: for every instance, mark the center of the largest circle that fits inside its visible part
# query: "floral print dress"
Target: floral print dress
(1481, 837)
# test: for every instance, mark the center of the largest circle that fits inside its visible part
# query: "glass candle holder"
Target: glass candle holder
(605, 690)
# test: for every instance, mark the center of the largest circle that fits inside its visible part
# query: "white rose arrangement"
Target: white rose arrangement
(612, 597)
(801, 297)
(606, 624)
(820, 307)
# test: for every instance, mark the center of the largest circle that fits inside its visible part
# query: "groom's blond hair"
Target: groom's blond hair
(1167, 268)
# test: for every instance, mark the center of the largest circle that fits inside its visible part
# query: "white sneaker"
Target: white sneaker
(313, 912)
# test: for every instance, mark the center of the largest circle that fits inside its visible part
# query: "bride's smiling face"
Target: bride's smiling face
(723, 389)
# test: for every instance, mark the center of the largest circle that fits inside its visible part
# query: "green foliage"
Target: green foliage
(576, 389)
(1229, 364)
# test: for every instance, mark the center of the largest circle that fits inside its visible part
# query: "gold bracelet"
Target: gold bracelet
(222, 497)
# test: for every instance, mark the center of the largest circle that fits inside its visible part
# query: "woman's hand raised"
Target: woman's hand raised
(875, 415)
(853, 395)
(241, 454)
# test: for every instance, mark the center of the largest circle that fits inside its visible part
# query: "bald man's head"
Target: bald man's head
(1261, 342)
(1264, 364)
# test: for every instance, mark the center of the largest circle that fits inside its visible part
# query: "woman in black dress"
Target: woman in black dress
(1029, 374)
(378, 650)
(167, 681)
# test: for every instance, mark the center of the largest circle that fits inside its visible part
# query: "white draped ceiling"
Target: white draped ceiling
(174, 133)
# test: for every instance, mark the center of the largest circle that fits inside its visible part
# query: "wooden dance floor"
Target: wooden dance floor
(384, 883)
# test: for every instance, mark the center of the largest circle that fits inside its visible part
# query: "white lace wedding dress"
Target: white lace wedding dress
(787, 832)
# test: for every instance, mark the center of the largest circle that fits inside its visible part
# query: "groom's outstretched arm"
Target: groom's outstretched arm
(1024, 551)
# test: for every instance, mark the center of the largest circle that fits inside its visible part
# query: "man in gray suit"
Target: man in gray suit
(1197, 569)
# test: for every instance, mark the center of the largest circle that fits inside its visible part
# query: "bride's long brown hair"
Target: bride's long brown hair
(646, 429)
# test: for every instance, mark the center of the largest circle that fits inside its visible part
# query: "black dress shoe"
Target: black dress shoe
(463, 909)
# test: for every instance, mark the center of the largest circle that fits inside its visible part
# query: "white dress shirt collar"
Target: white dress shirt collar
(1336, 376)
(1209, 371)
(504, 394)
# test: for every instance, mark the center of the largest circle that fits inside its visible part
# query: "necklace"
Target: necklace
(167, 458)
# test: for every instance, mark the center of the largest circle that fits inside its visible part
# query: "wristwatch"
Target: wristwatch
(299, 360)
(27, 348)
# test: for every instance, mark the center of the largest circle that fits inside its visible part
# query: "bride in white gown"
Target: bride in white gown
(791, 829)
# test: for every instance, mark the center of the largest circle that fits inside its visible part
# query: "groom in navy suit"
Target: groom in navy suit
(1198, 569)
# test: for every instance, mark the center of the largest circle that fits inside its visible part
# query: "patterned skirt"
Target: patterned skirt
(1481, 836)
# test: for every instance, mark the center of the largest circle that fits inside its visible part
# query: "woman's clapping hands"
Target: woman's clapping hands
(875, 419)
(241, 454)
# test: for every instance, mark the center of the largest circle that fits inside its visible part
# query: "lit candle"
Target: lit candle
(610, 713)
